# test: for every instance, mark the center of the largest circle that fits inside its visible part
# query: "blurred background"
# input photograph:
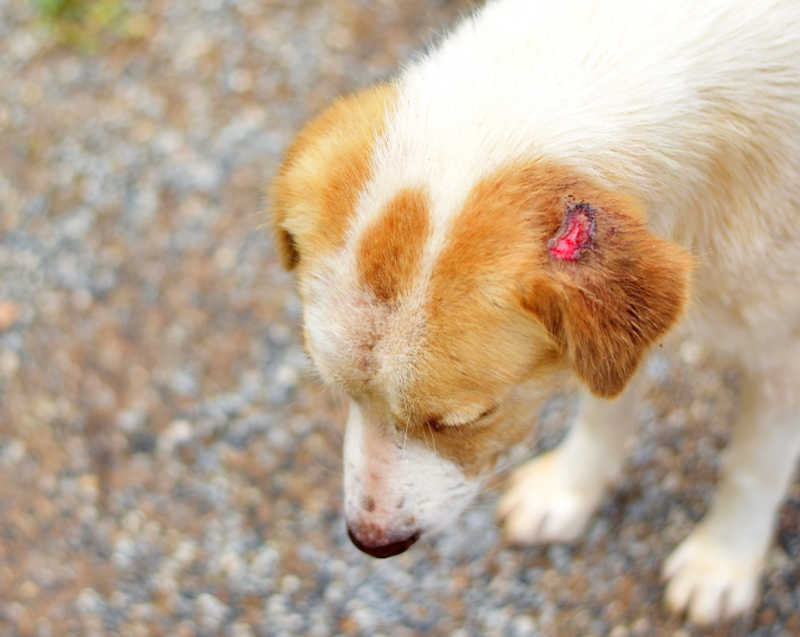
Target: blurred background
(168, 466)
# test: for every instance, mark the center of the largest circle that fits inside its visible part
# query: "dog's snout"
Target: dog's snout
(375, 542)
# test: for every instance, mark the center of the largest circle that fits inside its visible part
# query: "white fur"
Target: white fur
(410, 488)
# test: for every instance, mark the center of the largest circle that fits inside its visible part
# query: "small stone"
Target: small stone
(31, 94)
(641, 626)
(177, 434)
(524, 625)
(139, 26)
(264, 562)
(124, 553)
(186, 628)
(82, 299)
(12, 452)
(193, 47)
(290, 584)
(78, 224)
(339, 38)
(88, 485)
(767, 616)
(142, 441)
(240, 629)
(211, 611)
(691, 353)
(89, 602)
(280, 334)
(9, 364)
(183, 383)
(283, 385)
(185, 552)
(28, 590)
(23, 46)
(130, 420)
(240, 80)
(9, 313)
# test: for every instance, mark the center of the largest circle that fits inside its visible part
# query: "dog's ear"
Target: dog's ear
(608, 287)
(315, 192)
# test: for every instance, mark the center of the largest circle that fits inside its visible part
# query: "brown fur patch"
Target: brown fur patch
(391, 247)
(502, 309)
(314, 195)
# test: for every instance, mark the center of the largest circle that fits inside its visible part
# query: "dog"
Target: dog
(548, 192)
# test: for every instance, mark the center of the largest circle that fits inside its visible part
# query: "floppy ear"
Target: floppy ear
(315, 192)
(610, 287)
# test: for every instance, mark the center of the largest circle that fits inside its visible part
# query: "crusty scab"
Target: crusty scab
(576, 235)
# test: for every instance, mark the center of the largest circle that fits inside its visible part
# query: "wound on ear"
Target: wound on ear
(575, 235)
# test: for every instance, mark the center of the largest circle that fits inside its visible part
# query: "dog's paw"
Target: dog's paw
(709, 581)
(541, 506)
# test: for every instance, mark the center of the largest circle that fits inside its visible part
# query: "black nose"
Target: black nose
(383, 550)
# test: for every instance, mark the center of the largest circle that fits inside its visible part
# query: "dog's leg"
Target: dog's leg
(552, 496)
(714, 573)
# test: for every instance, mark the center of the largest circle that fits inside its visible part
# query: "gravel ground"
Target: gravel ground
(168, 465)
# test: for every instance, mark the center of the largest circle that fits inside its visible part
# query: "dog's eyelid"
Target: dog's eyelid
(473, 421)
(487, 412)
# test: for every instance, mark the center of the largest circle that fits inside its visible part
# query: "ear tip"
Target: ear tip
(610, 390)
(608, 376)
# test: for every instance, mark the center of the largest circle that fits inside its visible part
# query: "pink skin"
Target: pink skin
(575, 235)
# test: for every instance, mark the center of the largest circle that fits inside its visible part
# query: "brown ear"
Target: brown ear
(611, 287)
(314, 194)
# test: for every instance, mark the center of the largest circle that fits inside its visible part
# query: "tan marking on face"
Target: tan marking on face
(315, 193)
(480, 340)
(501, 310)
(391, 247)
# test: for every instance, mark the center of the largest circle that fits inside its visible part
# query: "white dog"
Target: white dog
(550, 190)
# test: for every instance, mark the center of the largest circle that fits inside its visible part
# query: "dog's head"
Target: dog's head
(429, 319)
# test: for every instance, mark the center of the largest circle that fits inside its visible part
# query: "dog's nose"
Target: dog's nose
(375, 544)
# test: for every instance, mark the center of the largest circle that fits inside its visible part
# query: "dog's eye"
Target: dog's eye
(476, 420)
(486, 413)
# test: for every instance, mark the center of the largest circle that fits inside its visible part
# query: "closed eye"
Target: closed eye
(485, 413)
(476, 420)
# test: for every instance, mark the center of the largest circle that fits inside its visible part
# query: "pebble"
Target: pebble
(89, 602)
(210, 611)
(240, 629)
(12, 452)
(177, 433)
(9, 313)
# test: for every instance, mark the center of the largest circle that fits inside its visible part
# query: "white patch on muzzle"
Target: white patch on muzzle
(395, 486)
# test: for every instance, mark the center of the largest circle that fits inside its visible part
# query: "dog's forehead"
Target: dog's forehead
(357, 340)
(414, 295)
